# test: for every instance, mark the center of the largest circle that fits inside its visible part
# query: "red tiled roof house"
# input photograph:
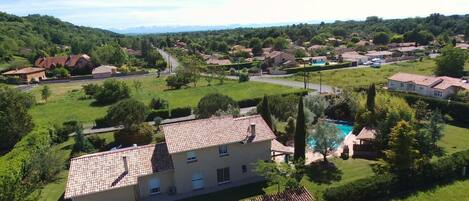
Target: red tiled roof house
(27, 74)
(438, 87)
(198, 157)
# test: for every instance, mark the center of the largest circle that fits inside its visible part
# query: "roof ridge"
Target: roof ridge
(115, 151)
(247, 117)
(198, 120)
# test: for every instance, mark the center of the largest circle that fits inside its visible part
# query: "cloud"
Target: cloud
(125, 13)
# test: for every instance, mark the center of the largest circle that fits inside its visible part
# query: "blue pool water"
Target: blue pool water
(320, 63)
(344, 129)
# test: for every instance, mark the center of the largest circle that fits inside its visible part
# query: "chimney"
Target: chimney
(253, 129)
(126, 165)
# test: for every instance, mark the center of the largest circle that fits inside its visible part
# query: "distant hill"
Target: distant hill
(35, 34)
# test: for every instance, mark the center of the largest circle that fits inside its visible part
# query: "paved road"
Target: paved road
(172, 61)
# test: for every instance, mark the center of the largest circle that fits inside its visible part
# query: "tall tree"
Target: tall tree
(370, 98)
(381, 38)
(402, 155)
(210, 104)
(265, 112)
(326, 137)
(451, 62)
(300, 133)
(127, 112)
(15, 120)
(434, 126)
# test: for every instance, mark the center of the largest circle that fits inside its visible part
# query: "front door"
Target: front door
(197, 181)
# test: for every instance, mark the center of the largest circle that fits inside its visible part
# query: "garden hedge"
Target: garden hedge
(163, 113)
(443, 170)
(237, 66)
(457, 110)
(317, 68)
(181, 112)
(252, 102)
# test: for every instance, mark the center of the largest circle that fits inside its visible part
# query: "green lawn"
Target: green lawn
(453, 192)
(16, 62)
(365, 76)
(66, 102)
(455, 139)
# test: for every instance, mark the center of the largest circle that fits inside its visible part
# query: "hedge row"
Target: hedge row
(444, 170)
(237, 66)
(457, 110)
(181, 112)
(173, 113)
(252, 102)
(13, 165)
(317, 68)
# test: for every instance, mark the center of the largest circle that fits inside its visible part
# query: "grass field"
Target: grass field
(365, 76)
(16, 62)
(66, 102)
(456, 191)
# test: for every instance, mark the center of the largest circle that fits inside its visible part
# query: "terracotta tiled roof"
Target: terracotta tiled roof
(379, 53)
(279, 147)
(353, 56)
(105, 170)
(104, 69)
(50, 62)
(300, 194)
(366, 133)
(73, 59)
(27, 70)
(216, 61)
(443, 82)
(197, 134)
(462, 46)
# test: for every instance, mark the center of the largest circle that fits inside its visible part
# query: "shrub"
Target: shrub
(97, 142)
(212, 103)
(102, 122)
(91, 89)
(158, 103)
(137, 134)
(112, 91)
(177, 81)
(159, 138)
(164, 114)
(243, 77)
(127, 112)
(181, 112)
(61, 133)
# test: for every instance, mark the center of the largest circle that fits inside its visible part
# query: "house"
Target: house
(355, 57)
(316, 47)
(366, 135)
(463, 46)
(408, 51)
(299, 194)
(438, 87)
(278, 58)
(318, 60)
(219, 62)
(363, 43)
(73, 61)
(198, 157)
(406, 44)
(104, 71)
(28, 74)
(132, 52)
(379, 54)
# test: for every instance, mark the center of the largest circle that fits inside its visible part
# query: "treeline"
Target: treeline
(420, 30)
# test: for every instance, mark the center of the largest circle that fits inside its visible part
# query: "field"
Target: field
(453, 192)
(67, 103)
(365, 76)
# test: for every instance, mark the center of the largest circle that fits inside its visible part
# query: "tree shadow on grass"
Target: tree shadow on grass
(323, 173)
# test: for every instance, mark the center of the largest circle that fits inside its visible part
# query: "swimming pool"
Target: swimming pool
(344, 130)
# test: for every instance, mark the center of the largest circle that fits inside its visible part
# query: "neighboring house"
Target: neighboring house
(198, 157)
(439, 87)
(355, 57)
(408, 51)
(299, 194)
(316, 47)
(379, 54)
(27, 74)
(278, 58)
(463, 46)
(104, 71)
(216, 61)
(406, 44)
(132, 51)
(77, 64)
(364, 43)
(319, 60)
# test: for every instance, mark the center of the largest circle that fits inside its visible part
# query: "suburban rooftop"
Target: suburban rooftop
(442, 82)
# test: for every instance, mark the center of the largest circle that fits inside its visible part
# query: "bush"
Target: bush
(138, 134)
(164, 114)
(97, 142)
(243, 77)
(177, 81)
(158, 103)
(112, 91)
(91, 89)
(457, 110)
(181, 112)
(212, 103)
(369, 188)
(102, 122)
(61, 133)
(127, 112)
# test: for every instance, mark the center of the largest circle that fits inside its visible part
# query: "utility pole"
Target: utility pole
(320, 83)
(304, 74)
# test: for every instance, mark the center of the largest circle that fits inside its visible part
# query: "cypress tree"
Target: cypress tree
(370, 98)
(265, 112)
(300, 133)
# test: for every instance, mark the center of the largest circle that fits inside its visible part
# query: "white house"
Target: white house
(439, 87)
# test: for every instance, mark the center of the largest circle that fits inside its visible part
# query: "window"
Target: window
(154, 186)
(223, 175)
(197, 181)
(438, 93)
(244, 169)
(191, 157)
(223, 150)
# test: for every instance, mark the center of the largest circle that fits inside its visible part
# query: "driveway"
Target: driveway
(172, 61)
(288, 83)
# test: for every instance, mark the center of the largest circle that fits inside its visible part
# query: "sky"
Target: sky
(121, 14)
